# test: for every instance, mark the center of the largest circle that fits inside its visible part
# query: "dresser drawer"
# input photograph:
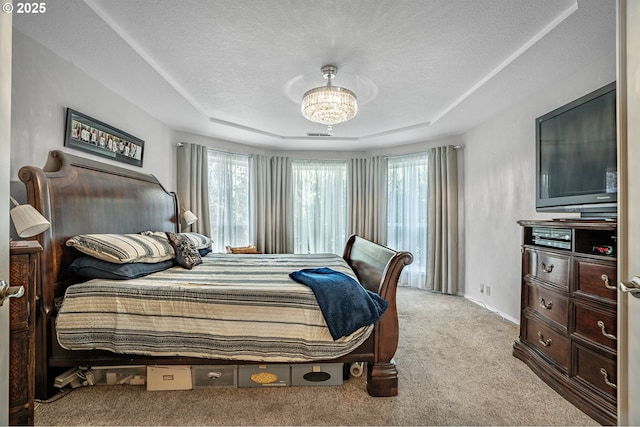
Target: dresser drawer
(548, 266)
(596, 325)
(596, 279)
(552, 305)
(547, 340)
(595, 369)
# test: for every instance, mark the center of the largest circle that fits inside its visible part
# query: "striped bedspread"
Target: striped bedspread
(232, 306)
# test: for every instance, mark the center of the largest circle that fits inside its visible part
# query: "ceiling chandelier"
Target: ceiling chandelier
(329, 104)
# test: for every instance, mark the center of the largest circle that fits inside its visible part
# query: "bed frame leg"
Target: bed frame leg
(382, 379)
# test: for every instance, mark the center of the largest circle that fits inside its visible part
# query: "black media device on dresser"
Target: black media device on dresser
(568, 320)
(24, 262)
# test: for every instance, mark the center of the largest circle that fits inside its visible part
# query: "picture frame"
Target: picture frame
(93, 136)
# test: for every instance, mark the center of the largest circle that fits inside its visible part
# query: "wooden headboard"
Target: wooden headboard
(80, 196)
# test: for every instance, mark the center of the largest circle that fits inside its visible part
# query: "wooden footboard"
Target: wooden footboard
(378, 269)
(83, 196)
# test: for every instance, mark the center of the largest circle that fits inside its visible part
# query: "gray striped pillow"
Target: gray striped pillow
(200, 241)
(123, 248)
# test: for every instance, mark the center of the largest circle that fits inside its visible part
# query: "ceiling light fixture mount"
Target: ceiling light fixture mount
(329, 104)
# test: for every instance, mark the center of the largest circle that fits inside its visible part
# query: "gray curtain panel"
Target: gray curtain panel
(367, 198)
(442, 224)
(272, 198)
(192, 185)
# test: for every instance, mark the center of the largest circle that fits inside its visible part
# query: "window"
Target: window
(407, 213)
(319, 206)
(228, 199)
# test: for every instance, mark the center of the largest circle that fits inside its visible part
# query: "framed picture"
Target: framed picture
(93, 136)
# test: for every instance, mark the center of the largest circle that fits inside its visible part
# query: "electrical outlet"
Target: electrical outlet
(481, 288)
(488, 289)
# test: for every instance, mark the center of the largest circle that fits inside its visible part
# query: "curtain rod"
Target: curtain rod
(455, 147)
(182, 144)
(217, 150)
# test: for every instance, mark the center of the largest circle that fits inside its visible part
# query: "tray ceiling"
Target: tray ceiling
(237, 69)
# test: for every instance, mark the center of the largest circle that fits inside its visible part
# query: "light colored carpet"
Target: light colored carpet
(455, 368)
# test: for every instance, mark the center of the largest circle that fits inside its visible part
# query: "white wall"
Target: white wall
(500, 189)
(44, 85)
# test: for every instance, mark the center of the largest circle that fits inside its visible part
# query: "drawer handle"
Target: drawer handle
(603, 328)
(545, 268)
(605, 280)
(605, 374)
(542, 341)
(546, 305)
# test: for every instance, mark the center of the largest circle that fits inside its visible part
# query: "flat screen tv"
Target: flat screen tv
(576, 165)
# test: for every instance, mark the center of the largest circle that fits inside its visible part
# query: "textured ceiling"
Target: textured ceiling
(237, 69)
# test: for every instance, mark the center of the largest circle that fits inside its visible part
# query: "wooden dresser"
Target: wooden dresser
(25, 259)
(568, 321)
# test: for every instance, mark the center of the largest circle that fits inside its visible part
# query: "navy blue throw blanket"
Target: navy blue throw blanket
(345, 304)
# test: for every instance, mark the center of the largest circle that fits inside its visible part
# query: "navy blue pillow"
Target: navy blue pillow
(93, 268)
(204, 251)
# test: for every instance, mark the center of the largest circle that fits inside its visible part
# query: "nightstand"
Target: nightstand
(24, 265)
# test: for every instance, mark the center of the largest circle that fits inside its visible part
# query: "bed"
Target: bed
(81, 196)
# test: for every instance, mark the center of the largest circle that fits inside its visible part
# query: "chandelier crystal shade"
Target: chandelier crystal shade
(329, 104)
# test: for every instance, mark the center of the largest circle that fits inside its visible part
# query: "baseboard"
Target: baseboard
(494, 310)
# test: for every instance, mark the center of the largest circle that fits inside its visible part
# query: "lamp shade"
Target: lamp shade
(189, 217)
(28, 221)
